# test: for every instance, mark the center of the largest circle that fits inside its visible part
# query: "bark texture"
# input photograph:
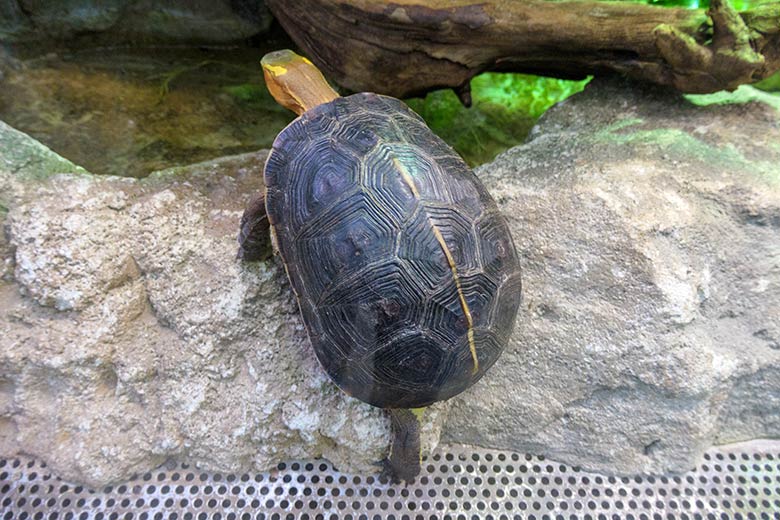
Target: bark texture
(409, 47)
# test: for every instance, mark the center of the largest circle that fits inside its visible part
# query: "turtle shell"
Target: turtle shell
(404, 269)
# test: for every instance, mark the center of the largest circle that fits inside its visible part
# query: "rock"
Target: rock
(173, 21)
(61, 19)
(197, 21)
(14, 24)
(22, 159)
(649, 230)
(132, 334)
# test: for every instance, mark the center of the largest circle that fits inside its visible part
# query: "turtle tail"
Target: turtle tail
(403, 462)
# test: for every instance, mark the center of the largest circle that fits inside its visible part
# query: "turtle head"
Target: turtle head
(294, 81)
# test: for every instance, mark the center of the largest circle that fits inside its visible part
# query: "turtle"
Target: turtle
(404, 269)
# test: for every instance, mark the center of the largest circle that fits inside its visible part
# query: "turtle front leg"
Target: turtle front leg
(254, 239)
(403, 462)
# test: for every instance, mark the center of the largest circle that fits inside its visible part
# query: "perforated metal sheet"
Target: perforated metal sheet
(736, 482)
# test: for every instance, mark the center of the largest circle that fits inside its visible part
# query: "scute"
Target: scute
(420, 248)
(497, 251)
(353, 236)
(410, 163)
(457, 230)
(320, 174)
(445, 308)
(502, 318)
(412, 361)
(385, 232)
(372, 306)
(407, 372)
(488, 347)
(383, 180)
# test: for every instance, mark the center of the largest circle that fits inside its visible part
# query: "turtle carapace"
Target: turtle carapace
(404, 269)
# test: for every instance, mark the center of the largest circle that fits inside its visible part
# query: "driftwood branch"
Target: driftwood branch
(405, 48)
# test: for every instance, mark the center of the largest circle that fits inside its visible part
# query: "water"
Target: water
(129, 112)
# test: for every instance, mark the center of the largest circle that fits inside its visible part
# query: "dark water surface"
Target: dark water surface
(129, 112)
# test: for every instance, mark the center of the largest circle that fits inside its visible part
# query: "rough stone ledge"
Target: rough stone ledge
(649, 230)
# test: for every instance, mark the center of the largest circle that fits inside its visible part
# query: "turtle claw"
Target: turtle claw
(392, 474)
(254, 239)
(403, 462)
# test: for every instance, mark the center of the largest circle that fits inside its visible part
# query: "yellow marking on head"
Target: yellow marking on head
(276, 70)
(451, 261)
(463, 304)
(306, 60)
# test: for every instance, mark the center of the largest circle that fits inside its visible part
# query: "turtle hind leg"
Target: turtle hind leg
(403, 462)
(254, 238)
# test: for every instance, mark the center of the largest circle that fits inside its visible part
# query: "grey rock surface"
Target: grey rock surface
(649, 229)
(22, 161)
(131, 334)
(142, 21)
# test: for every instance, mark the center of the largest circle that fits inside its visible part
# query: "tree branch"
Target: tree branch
(404, 48)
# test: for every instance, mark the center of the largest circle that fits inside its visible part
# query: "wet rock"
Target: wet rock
(65, 18)
(649, 230)
(14, 24)
(25, 159)
(178, 21)
(199, 21)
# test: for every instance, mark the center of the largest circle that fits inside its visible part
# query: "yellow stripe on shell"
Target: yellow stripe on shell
(451, 261)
